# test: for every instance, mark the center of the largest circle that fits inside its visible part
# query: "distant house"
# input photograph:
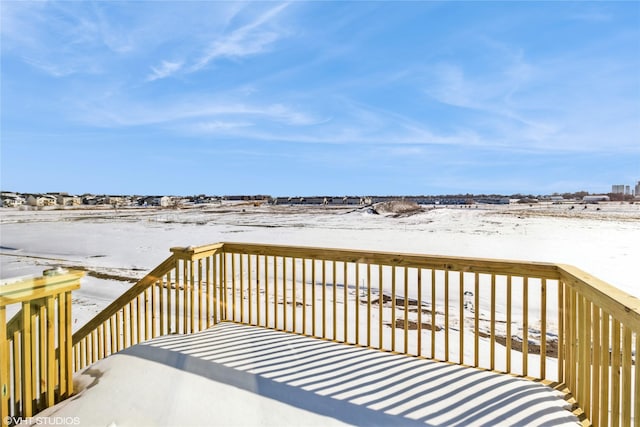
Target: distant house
(40, 200)
(66, 200)
(12, 200)
(116, 200)
(90, 200)
(162, 201)
(314, 200)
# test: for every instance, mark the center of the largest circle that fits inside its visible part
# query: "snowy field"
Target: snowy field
(116, 247)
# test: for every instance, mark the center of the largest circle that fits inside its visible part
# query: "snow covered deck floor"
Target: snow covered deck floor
(242, 375)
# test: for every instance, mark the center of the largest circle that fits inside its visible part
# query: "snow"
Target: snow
(125, 244)
(131, 242)
(242, 375)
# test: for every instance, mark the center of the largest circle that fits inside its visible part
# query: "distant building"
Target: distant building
(495, 200)
(66, 200)
(162, 201)
(11, 200)
(637, 192)
(621, 189)
(114, 200)
(40, 200)
(595, 199)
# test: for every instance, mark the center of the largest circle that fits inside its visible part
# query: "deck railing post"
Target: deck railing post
(37, 367)
(4, 367)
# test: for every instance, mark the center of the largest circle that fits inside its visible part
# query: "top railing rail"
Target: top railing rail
(39, 287)
(125, 298)
(623, 306)
(466, 264)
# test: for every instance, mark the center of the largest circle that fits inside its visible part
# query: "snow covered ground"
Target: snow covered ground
(116, 247)
(236, 375)
(127, 243)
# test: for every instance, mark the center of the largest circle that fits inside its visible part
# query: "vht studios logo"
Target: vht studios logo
(42, 421)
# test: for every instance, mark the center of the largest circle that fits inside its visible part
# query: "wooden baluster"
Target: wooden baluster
(446, 315)
(380, 306)
(615, 373)
(476, 321)
(406, 310)
(369, 305)
(393, 308)
(192, 295)
(433, 313)
(636, 401)
(357, 304)
(543, 329)
(275, 292)
(461, 309)
(258, 287)
(209, 292)
(42, 354)
(51, 351)
(334, 297)
(249, 290)
(627, 361)
(525, 326)
(241, 303)
(284, 294)
(596, 365)
(419, 312)
(294, 297)
(62, 349)
(605, 378)
(561, 332)
(585, 374)
(266, 291)
(313, 297)
(324, 298)
(4, 365)
(201, 311)
(216, 269)
(492, 330)
(345, 304)
(304, 296)
(18, 376)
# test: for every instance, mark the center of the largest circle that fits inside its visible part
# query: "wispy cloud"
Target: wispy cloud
(61, 38)
(542, 104)
(52, 69)
(592, 15)
(250, 39)
(165, 69)
(253, 38)
(193, 114)
(216, 126)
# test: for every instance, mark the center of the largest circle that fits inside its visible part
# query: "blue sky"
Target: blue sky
(301, 98)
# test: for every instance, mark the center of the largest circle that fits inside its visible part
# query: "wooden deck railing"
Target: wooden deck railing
(35, 345)
(548, 322)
